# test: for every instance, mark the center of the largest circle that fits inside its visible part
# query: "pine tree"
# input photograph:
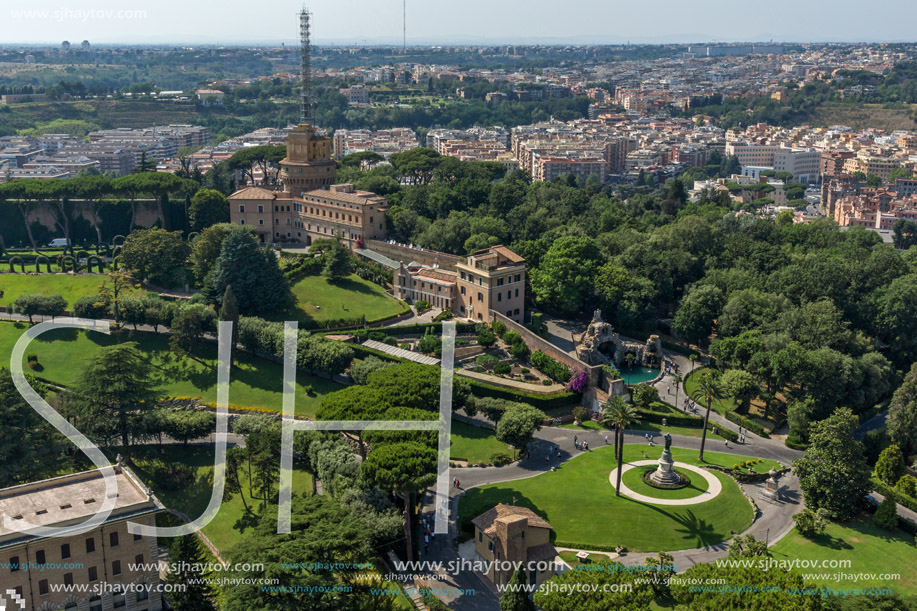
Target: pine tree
(197, 594)
(258, 284)
(515, 597)
(337, 262)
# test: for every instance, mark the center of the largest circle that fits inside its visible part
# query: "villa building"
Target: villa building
(513, 534)
(489, 279)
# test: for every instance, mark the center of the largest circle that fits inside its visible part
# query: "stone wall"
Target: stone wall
(405, 254)
(536, 342)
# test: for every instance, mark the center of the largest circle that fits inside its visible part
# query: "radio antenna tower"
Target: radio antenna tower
(306, 101)
(404, 26)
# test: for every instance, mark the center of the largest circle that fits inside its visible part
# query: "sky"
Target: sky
(454, 21)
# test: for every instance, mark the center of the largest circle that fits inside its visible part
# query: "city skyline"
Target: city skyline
(431, 23)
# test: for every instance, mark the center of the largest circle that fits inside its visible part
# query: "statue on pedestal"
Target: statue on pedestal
(668, 441)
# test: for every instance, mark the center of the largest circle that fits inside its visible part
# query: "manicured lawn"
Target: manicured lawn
(254, 382)
(721, 406)
(869, 548)
(318, 299)
(71, 286)
(633, 479)
(232, 520)
(474, 444)
(579, 502)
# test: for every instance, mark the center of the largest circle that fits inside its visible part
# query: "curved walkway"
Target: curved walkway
(714, 485)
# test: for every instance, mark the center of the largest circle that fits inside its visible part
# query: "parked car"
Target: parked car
(59, 243)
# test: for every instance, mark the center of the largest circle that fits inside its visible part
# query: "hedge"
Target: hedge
(416, 329)
(795, 445)
(542, 402)
(744, 422)
(903, 523)
(886, 490)
(550, 367)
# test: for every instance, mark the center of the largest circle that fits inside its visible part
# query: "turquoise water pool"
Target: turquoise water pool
(637, 374)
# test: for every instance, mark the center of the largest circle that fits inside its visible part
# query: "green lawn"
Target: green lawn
(255, 382)
(71, 286)
(578, 501)
(721, 406)
(869, 548)
(232, 520)
(318, 299)
(633, 479)
(474, 444)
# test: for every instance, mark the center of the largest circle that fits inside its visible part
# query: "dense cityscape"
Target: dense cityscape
(457, 326)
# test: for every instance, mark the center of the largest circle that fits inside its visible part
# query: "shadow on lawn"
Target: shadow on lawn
(701, 531)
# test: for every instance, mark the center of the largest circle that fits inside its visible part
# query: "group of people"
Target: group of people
(583, 445)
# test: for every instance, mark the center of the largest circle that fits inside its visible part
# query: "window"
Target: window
(43, 587)
(509, 294)
(480, 296)
(260, 208)
(116, 567)
(532, 576)
(138, 559)
(516, 312)
(68, 579)
(90, 545)
(93, 574)
(463, 275)
(113, 539)
(499, 296)
(276, 221)
(509, 312)
(480, 536)
(14, 564)
(499, 281)
(241, 208)
(143, 594)
(462, 290)
(95, 603)
(118, 600)
(65, 551)
(40, 556)
(261, 221)
(490, 545)
(517, 292)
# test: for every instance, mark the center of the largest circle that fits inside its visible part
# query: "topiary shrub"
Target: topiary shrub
(501, 368)
(887, 514)
(501, 458)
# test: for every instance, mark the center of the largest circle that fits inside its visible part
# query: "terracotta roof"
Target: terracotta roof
(486, 520)
(440, 276)
(506, 252)
(253, 193)
(545, 551)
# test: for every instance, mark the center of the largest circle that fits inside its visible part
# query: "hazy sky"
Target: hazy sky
(450, 21)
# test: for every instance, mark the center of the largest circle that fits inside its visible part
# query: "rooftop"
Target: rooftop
(486, 520)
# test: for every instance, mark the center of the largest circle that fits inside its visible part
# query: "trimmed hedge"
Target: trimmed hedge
(550, 367)
(542, 402)
(903, 523)
(416, 329)
(886, 490)
(745, 423)
(794, 445)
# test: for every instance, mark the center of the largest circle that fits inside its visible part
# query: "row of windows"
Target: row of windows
(40, 558)
(92, 574)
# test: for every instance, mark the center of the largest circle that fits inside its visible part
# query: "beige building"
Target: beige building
(337, 212)
(94, 571)
(515, 535)
(490, 279)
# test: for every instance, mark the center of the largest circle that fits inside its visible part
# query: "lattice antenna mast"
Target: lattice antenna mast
(306, 101)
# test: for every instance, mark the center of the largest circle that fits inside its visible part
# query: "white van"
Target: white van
(59, 242)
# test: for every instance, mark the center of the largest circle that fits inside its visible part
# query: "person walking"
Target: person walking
(727, 442)
(574, 439)
(606, 440)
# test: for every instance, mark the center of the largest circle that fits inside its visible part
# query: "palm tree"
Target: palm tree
(620, 415)
(693, 358)
(629, 359)
(708, 389)
(678, 381)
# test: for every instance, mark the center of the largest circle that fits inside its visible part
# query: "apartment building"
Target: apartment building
(48, 573)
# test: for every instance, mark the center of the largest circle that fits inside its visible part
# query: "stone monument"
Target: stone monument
(771, 490)
(665, 474)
